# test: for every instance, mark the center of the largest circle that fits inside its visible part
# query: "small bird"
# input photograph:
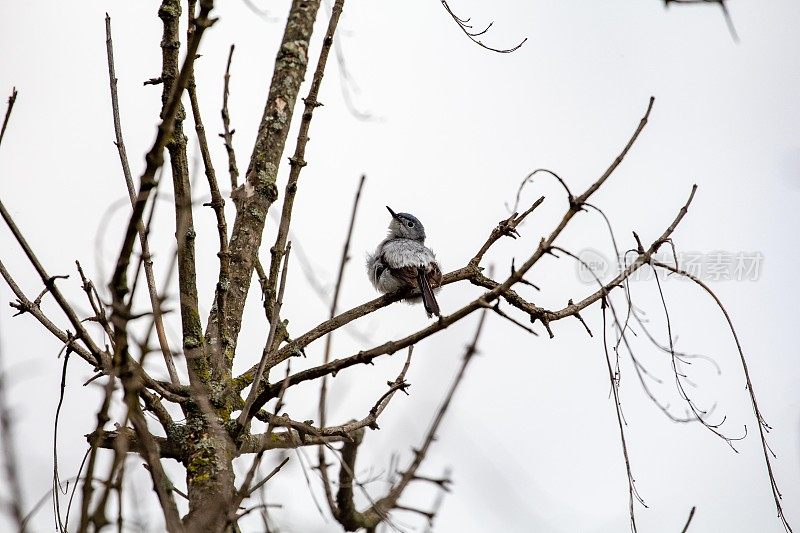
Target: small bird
(402, 261)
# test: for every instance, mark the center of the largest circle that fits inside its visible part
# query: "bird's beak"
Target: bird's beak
(394, 215)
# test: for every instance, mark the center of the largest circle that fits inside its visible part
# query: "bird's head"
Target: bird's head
(405, 226)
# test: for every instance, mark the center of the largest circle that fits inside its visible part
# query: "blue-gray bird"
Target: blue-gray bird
(402, 261)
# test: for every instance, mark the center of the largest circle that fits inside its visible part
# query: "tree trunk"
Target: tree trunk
(209, 452)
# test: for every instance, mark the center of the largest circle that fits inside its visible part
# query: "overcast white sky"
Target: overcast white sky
(532, 436)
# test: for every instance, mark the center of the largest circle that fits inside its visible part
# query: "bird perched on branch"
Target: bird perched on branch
(402, 261)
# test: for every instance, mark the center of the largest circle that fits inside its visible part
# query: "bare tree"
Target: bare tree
(217, 408)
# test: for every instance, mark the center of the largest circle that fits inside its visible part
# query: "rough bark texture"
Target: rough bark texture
(256, 195)
(209, 472)
(169, 13)
(208, 450)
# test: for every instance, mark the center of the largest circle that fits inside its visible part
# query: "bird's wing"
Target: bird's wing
(434, 274)
(407, 275)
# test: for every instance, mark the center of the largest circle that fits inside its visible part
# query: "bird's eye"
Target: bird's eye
(410, 224)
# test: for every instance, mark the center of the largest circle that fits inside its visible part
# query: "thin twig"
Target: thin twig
(347, 83)
(763, 427)
(323, 393)
(473, 34)
(217, 202)
(247, 413)
(119, 143)
(147, 261)
(529, 178)
(699, 414)
(25, 305)
(297, 161)
(102, 418)
(95, 302)
(378, 511)
(227, 134)
(304, 429)
(268, 476)
(632, 493)
(505, 228)
(154, 159)
(437, 503)
(689, 520)
(11, 100)
(101, 358)
(244, 490)
(624, 328)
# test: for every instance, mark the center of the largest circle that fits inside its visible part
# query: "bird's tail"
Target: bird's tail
(428, 298)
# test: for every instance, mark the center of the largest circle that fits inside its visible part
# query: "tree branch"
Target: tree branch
(167, 448)
(763, 427)
(247, 413)
(254, 197)
(192, 338)
(366, 356)
(473, 34)
(147, 261)
(11, 100)
(227, 134)
(297, 161)
(323, 393)
(377, 512)
(445, 321)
